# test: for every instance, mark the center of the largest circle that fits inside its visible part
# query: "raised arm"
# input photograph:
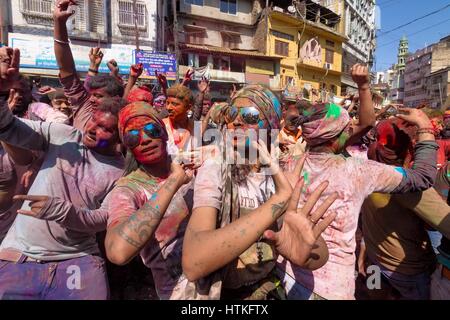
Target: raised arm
(135, 72)
(203, 86)
(95, 60)
(24, 134)
(63, 53)
(360, 75)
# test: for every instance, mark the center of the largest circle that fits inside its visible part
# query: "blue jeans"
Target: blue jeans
(294, 290)
(81, 278)
(435, 238)
(410, 287)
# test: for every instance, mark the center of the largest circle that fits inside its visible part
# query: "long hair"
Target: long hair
(131, 163)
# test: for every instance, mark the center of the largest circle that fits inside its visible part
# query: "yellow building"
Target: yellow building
(308, 39)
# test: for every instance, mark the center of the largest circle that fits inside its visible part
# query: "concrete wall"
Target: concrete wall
(441, 55)
(211, 9)
(213, 35)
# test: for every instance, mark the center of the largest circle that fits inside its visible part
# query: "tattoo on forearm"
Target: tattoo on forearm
(140, 226)
(169, 184)
(278, 208)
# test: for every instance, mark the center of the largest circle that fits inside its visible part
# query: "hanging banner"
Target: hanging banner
(164, 63)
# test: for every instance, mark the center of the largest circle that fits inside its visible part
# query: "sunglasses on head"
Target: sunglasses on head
(132, 138)
(250, 115)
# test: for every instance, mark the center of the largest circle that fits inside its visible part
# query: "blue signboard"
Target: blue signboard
(164, 63)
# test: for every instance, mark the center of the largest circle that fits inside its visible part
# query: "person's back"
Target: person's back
(395, 236)
(354, 179)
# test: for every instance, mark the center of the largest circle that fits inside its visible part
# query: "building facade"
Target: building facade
(438, 89)
(359, 17)
(28, 25)
(308, 37)
(216, 38)
(417, 70)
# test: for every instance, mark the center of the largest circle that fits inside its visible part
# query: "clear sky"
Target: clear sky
(421, 33)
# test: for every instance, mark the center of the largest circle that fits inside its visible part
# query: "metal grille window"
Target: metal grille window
(126, 14)
(281, 48)
(37, 11)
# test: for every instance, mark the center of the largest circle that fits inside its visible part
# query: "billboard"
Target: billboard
(164, 63)
(37, 52)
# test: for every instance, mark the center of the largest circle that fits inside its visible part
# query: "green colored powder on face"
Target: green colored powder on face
(333, 110)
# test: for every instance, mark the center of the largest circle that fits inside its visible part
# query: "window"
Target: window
(37, 11)
(126, 14)
(281, 48)
(195, 37)
(329, 56)
(228, 6)
(221, 63)
(230, 41)
(282, 35)
(196, 2)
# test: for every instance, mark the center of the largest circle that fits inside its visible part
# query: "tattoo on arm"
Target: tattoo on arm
(140, 226)
(278, 208)
(169, 184)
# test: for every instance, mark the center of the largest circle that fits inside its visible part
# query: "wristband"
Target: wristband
(426, 130)
(62, 42)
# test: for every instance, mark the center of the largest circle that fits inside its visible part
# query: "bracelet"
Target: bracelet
(62, 42)
(93, 71)
(426, 130)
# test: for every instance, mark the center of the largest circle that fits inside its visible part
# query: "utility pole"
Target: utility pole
(135, 16)
(175, 35)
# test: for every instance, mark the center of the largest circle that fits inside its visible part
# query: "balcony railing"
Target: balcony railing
(219, 75)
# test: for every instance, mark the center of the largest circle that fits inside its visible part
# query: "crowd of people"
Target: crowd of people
(261, 196)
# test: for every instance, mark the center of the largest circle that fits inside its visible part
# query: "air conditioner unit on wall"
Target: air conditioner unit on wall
(328, 66)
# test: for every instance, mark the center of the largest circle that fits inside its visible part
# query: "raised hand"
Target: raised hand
(360, 74)
(37, 203)
(9, 67)
(182, 172)
(46, 90)
(162, 80)
(203, 85)
(414, 116)
(188, 77)
(136, 70)
(95, 57)
(61, 12)
(113, 68)
(302, 228)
